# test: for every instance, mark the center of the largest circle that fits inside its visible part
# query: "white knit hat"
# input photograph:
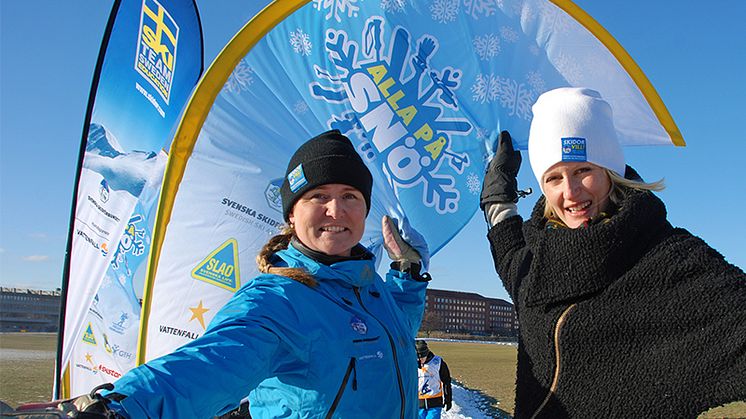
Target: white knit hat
(573, 124)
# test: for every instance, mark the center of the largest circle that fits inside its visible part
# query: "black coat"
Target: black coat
(651, 320)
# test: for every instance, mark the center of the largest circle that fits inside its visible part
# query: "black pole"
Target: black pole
(71, 233)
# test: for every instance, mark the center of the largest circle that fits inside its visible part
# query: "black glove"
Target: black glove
(500, 184)
(89, 406)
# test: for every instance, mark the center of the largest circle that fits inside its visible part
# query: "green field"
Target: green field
(27, 368)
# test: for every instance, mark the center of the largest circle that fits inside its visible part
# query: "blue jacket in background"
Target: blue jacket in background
(344, 347)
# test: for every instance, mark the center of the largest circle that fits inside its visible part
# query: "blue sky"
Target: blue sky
(693, 54)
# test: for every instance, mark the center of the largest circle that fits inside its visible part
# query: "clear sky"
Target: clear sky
(693, 52)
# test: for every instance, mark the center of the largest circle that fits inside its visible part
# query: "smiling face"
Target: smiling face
(330, 218)
(576, 191)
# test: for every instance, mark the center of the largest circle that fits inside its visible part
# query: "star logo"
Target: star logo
(199, 313)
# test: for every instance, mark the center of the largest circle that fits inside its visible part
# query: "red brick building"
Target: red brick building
(467, 312)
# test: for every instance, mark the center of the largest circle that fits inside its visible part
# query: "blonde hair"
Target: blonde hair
(275, 244)
(618, 185)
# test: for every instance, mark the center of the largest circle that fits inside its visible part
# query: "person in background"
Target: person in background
(621, 314)
(319, 333)
(434, 382)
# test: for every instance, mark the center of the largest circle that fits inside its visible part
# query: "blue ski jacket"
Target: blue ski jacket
(342, 349)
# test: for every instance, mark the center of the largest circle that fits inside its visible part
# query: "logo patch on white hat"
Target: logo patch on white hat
(573, 149)
(296, 178)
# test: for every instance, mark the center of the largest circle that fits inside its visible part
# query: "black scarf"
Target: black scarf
(570, 263)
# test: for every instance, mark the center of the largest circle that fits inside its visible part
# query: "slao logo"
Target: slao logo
(296, 178)
(156, 47)
(398, 100)
(272, 194)
(88, 336)
(573, 149)
(220, 267)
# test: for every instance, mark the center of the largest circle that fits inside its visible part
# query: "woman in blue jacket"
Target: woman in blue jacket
(319, 334)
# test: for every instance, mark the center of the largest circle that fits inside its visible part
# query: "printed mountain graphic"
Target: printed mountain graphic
(102, 143)
(124, 171)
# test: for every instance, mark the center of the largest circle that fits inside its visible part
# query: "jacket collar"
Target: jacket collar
(354, 273)
(571, 263)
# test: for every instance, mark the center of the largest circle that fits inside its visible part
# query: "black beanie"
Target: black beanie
(421, 347)
(326, 158)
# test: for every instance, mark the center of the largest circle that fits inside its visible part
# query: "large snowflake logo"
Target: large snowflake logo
(487, 46)
(444, 11)
(240, 79)
(301, 42)
(334, 8)
(473, 184)
(401, 117)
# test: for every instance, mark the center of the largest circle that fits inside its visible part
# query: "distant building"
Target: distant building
(29, 310)
(467, 312)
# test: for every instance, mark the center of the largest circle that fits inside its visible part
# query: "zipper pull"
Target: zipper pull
(354, 374)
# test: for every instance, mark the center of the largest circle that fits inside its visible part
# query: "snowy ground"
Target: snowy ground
(470, 404)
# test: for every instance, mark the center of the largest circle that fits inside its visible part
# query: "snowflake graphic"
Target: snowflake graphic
(509, 34)
(570, 69)
(393, 6)
(300, 107)
(473, 184)
(335, 7)
(486, 88)
(477, 8)
(301, 42)
(444, 11)
(487, 46)
(536, 82)
(240, 79)
(517, 98)
(533, 49)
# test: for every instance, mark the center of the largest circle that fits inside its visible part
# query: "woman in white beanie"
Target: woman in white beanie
(620, 313)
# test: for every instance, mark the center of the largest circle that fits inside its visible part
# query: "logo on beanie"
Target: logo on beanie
(296, 178)
(573, 149)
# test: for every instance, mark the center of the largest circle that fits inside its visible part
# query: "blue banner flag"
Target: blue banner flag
(150, 60)
(421, 88)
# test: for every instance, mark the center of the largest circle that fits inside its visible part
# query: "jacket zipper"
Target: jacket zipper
(393, 350)
(555, 381)
(350, 369)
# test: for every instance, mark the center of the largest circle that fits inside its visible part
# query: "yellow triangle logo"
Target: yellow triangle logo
(88, 336)
(220, 268)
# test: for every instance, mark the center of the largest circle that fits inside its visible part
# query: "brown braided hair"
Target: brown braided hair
(275, 244)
